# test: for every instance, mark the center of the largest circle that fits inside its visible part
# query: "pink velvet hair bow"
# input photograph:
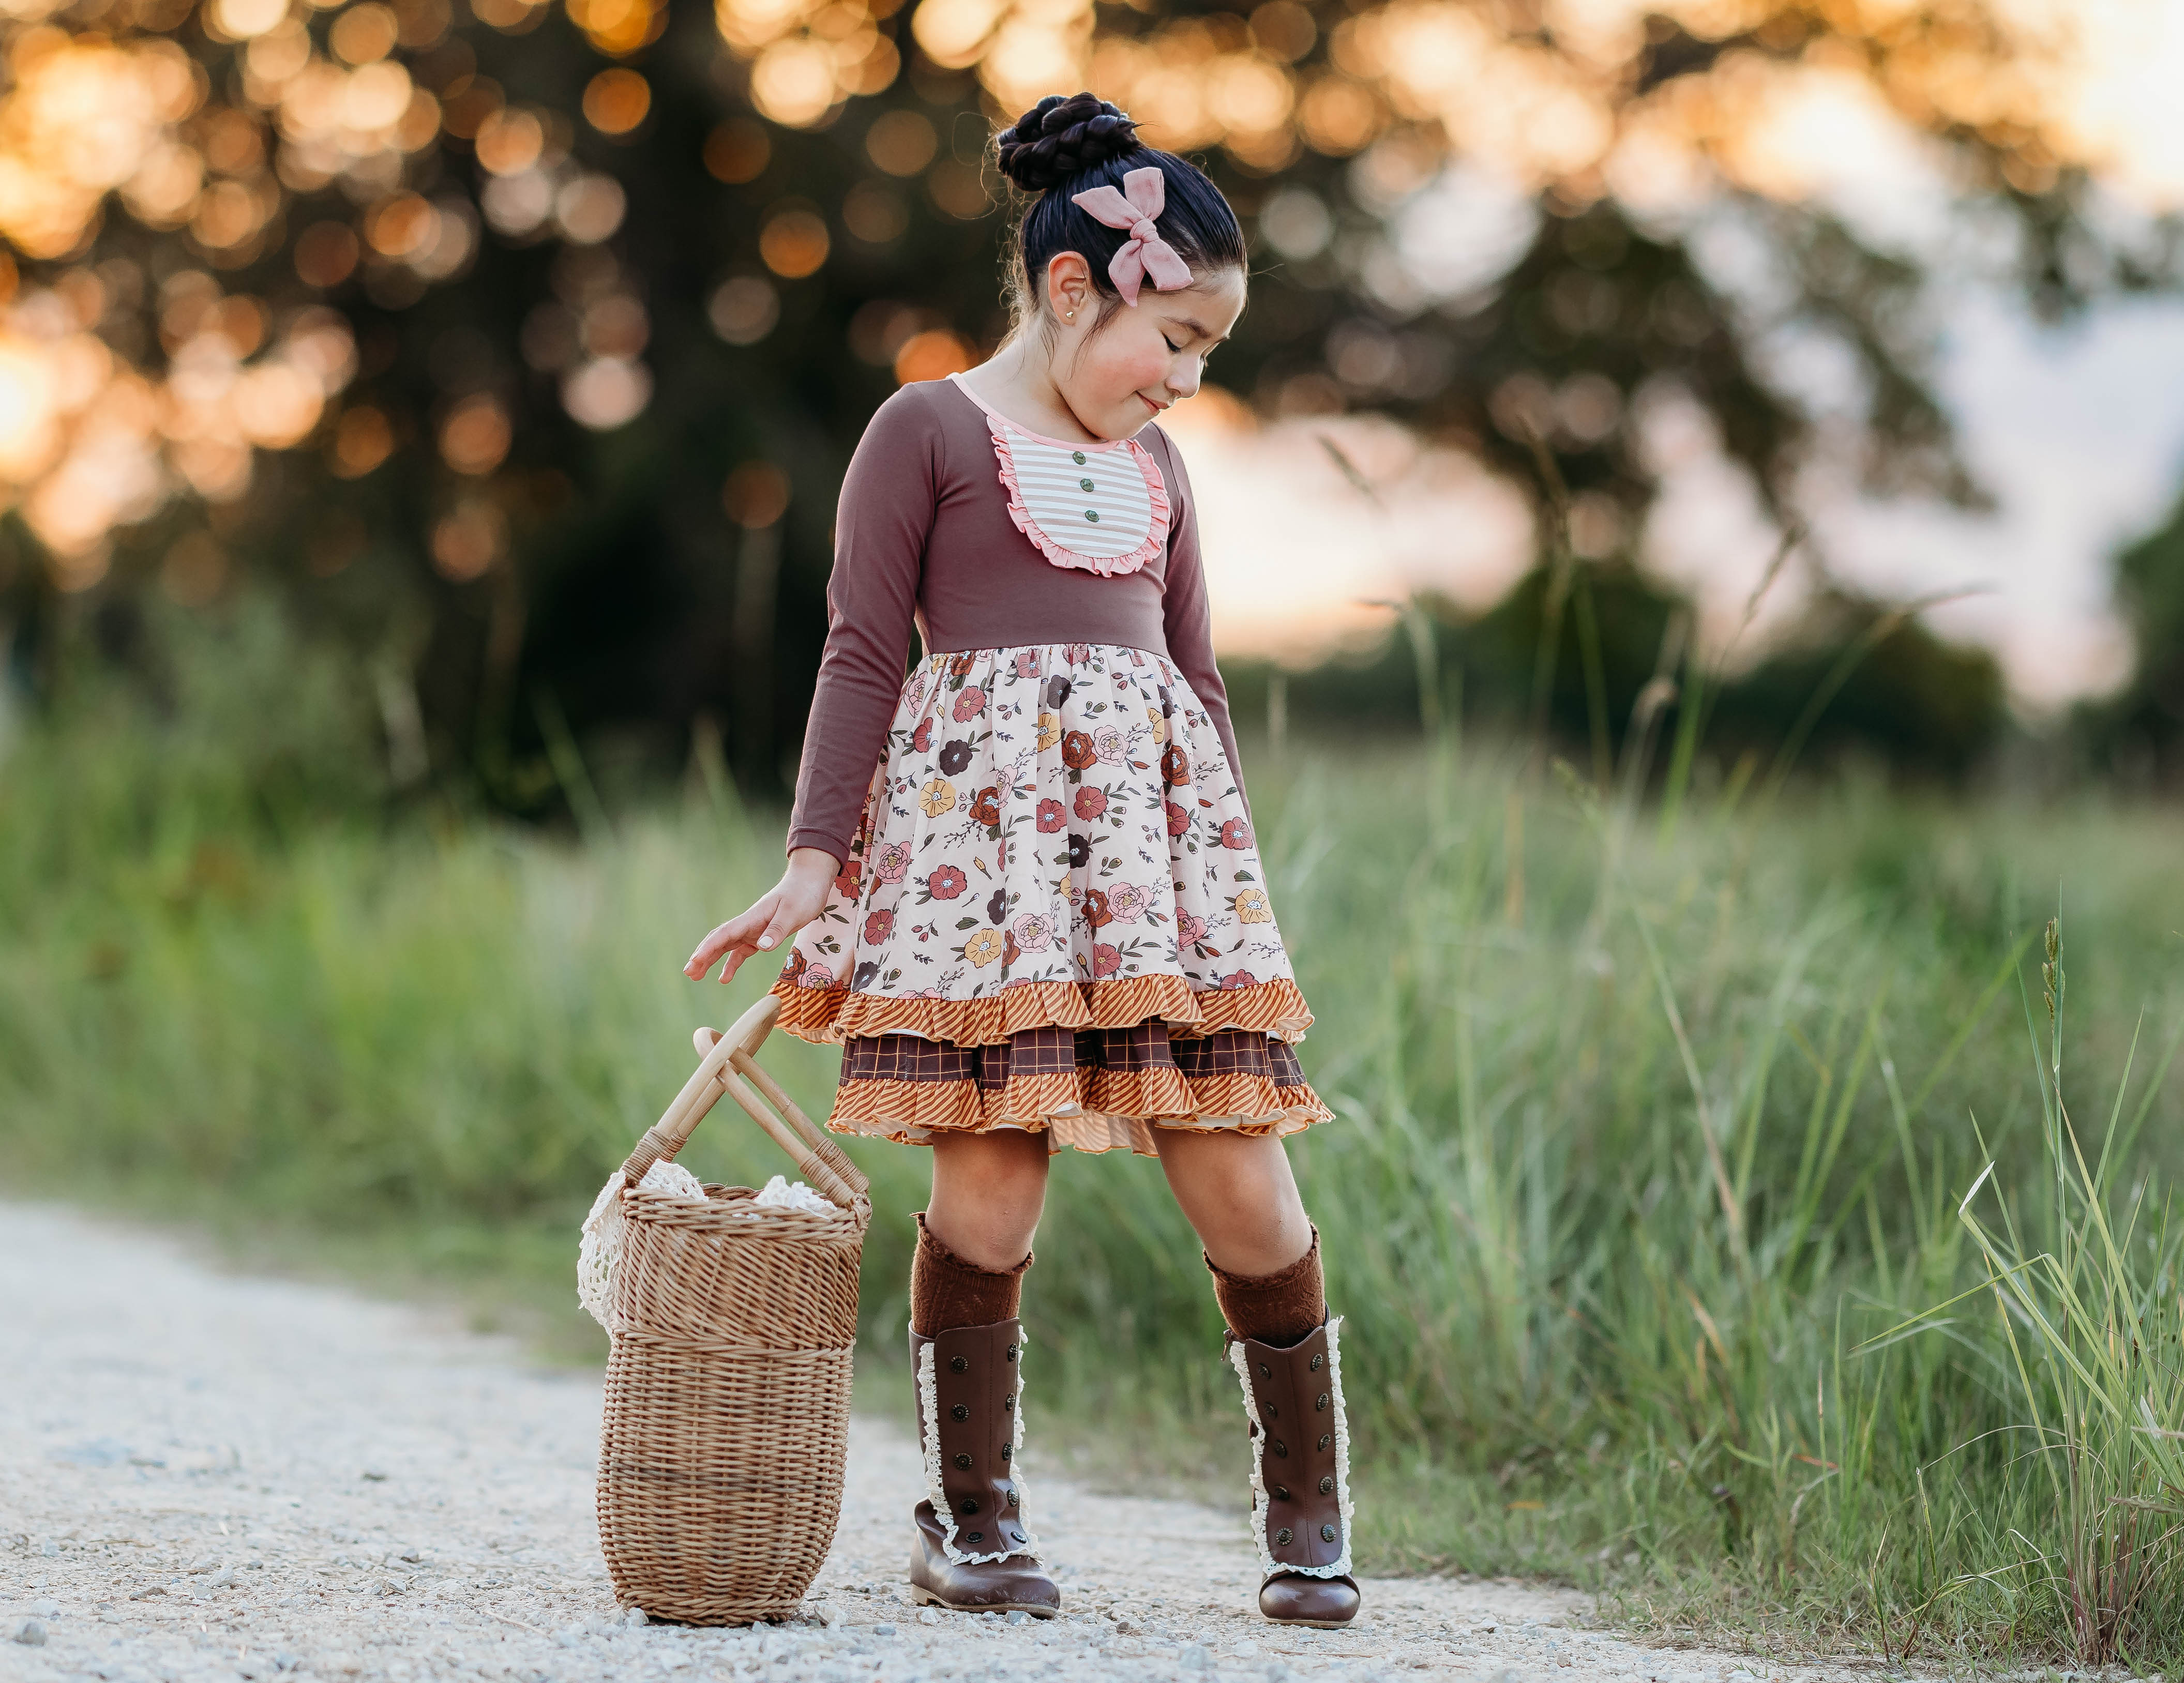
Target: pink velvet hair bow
(1143, 196)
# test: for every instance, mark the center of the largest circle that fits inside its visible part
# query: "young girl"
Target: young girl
(1031, 909)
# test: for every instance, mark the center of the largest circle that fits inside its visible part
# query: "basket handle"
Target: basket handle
(728, 1066)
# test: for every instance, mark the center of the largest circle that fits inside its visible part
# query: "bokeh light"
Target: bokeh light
(468, 539)
(736, 151)
(363, 439)
(475, 435)
(607, 393)
(588, 208)
(619, 28)
(933, 354)
(744, 310)
(756, 494)
(809, 56)
(616, 101)
(793, 243)
(901, 143)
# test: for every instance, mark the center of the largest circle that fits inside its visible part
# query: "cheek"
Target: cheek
(1126, 358)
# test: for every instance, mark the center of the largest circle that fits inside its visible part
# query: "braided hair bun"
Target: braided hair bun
(1060, 137)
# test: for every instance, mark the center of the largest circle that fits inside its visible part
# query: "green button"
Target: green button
(1085, 484)
(1093, 515)
(1077, 457)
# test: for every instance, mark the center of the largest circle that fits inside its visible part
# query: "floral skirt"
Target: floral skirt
(1053, 916)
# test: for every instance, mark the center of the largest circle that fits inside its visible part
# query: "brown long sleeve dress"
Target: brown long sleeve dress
(1051, 913)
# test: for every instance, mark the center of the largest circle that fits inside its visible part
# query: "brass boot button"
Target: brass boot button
(969, 1504)
(1326, 1534)
(1326, 1438)
(960, 1411)
(1281, 1492)
(959, 1364)
(1282, 1537)
(1327, 1486)
(1317, 1362)
(1280, 1447)
(964, 1462)
(1320, 1402)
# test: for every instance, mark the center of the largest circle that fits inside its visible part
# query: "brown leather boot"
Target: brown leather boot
(1300, 1476)
(970, 1550)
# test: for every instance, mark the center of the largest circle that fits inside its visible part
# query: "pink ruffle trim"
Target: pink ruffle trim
(1060, 556)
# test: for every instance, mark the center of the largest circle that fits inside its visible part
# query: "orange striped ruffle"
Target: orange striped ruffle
(1092, 1111)
(827, 1016)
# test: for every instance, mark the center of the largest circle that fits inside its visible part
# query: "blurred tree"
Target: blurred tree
(523, 344)
(1849, 675)
(1856, 673)
(2140, 732)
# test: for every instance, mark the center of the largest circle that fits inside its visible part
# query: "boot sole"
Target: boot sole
(1313, 1623)
(925, 1597)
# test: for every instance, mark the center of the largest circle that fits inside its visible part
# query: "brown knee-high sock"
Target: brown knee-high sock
(1281, 1308)
(946, 1291)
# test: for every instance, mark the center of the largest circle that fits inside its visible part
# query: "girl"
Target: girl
(1030, 906)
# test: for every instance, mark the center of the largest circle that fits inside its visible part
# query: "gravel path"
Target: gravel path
(203, 1476)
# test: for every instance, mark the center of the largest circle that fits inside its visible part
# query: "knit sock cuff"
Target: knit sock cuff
(1280, 1309)
(947, 1292)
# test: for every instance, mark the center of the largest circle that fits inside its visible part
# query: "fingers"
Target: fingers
(778, 928)
(769, 922)
(782, 924)
(736, 932)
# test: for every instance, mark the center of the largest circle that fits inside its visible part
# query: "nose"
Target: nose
(1183, 379)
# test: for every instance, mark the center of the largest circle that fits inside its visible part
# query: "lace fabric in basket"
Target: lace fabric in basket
(598, 1253)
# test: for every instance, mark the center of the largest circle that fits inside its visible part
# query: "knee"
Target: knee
(987, 1199)
(1257, 1190)
(1016, 1183)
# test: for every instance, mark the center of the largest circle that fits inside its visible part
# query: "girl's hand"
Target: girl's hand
(773, 917)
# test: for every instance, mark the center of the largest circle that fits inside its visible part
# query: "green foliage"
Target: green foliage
(1851, 677)
(2140, 732)
(1644, 1193)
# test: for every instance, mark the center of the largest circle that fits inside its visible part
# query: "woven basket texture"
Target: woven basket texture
(727, 1403)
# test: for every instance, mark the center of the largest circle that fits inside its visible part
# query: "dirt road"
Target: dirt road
(203, 1476)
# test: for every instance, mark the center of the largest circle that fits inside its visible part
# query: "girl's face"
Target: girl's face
(1119, 375)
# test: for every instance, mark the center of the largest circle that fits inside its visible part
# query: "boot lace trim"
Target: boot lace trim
(1260, 1502)
(928, 1391)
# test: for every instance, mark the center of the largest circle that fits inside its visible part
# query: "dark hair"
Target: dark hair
(1063, 146)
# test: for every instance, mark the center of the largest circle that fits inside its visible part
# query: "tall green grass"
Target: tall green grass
(1647, 1205)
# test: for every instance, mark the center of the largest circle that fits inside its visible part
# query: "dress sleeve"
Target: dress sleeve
(1188, 619)
(880, 531)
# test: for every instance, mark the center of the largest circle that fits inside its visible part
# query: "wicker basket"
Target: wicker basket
(727, 1392)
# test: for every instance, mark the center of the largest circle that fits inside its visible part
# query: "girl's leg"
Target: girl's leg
(987, 1191)
(970, 1549)
(1239, 1195)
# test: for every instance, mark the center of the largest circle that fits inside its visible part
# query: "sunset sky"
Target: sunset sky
(2078, 430)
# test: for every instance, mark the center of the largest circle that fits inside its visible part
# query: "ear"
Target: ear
(1068, 282)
